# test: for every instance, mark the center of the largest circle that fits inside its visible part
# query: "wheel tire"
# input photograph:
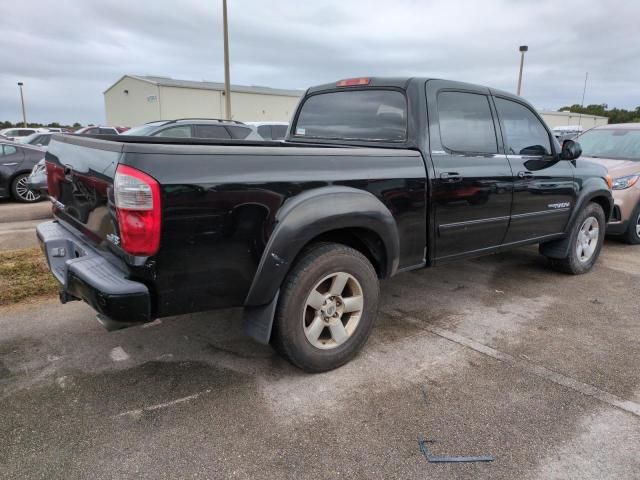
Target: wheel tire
(573, 264)
(20, 192)
(632, 235)
(294, 315)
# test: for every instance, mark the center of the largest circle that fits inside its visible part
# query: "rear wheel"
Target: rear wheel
(327, 308)
(585, 241)
(20, 190)
(632, 234)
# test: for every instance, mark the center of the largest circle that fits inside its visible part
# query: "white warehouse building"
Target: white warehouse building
(558, 119)
(137, 99)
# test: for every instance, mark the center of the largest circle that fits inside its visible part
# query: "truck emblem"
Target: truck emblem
(559, 205)
(114, 239)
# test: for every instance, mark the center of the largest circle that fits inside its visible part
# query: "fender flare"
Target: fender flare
(592, 189)
(301, 219)
(313, 213)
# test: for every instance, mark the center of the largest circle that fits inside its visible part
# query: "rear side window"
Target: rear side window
(211, 131)
(369, 115)
(9, 150)
(181, 131)
(239, 133)
(107, 131)
(466, 124)
(265, 131)
(278, 132)
(44, 139)
(524, 133)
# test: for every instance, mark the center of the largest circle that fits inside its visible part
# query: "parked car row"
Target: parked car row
(211, 128)
(36, 183)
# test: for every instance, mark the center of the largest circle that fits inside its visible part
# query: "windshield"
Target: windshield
(373, 115)
(613, 143)
(145, 129)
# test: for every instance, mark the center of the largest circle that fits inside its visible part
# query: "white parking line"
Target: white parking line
(139, 411)
(539, 370)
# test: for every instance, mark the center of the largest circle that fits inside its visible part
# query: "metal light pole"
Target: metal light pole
(227, 85)
(523, 48)
(24, 115)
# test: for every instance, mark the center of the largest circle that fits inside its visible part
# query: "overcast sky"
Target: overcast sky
(67, 52)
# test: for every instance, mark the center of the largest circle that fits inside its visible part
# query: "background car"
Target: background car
(617, 147)
(271, 130)
(100, 130)
(566, 132)
(15, 133)
(39, 139)
(16, 163)
(196, 128)
(37, 180)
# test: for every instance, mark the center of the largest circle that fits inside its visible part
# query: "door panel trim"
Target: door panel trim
(542, 212)
(474, 222)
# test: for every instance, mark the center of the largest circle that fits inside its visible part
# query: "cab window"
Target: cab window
(524, 133)
(466, 123)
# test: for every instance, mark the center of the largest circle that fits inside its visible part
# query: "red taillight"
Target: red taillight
(350, 82)
(137, 200)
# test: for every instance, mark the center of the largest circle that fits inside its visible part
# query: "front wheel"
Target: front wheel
(585, 241)
(327, 307)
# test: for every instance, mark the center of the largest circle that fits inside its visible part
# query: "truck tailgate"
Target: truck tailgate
(80, 174)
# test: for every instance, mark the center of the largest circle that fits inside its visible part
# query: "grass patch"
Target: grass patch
(24, 274)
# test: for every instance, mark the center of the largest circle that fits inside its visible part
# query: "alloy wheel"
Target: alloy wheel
(24, 192)
(333, 310)
(588, 238)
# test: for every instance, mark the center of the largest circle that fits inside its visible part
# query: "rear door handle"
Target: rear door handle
(451, 177)
(525, 175)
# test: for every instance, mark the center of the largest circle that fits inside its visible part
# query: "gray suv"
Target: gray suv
(196, 128)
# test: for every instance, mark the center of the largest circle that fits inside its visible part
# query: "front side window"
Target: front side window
(265, 131)
(278, 132)
(466, 124)
(181, 131)
(524, 133)
(367, 115)
(212, 131)
(239, 133)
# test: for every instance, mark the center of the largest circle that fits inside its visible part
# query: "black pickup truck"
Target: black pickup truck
(376, 176)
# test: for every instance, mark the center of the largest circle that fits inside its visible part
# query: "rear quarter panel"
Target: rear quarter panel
(219, 210)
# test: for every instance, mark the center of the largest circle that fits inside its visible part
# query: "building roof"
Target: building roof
(568, 114)
(218, 86)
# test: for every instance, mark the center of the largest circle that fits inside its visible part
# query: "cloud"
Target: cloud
(69, 51)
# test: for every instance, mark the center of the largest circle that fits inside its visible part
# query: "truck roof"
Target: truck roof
(403, 82)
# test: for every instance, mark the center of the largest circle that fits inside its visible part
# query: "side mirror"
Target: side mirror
(570, 150)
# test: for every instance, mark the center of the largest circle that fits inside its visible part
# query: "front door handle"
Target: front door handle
(451, 177)
(525, 175)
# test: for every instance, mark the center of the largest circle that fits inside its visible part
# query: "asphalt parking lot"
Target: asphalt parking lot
(497, 356)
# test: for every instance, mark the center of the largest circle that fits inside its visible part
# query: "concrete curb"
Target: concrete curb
(18, 235)
(22, 212)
